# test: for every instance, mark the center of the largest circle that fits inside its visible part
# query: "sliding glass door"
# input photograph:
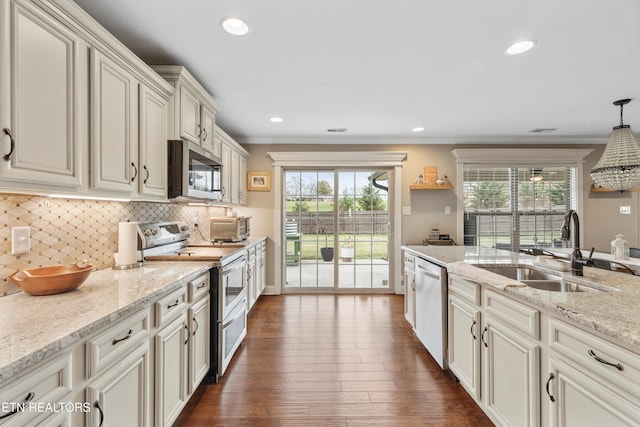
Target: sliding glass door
(336, 230)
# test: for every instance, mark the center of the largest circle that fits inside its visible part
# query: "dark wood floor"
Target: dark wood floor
(332, 360)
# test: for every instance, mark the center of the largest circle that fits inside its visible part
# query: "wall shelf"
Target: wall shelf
(430, 187)
(606, 190)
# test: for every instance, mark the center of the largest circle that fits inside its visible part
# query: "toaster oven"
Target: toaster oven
(229, 228)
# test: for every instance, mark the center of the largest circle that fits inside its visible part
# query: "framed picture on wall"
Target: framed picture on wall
(259, 181)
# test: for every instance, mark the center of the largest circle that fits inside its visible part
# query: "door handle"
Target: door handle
(551, 398)
(484, 331)
(471, 330)
(7, 132)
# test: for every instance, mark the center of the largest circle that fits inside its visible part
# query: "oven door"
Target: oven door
(231, 332)
(232, 288)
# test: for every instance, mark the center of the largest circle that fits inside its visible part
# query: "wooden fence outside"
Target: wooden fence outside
(358, 222)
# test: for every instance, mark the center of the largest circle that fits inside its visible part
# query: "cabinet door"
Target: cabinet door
(189, 116)
(580, 399)
(464, 344)
(171, 348)
(251, 277)
(225, 155)
(40, 98)
(217, 144)
(153, 143)
(242, 180)
(235, 177)
(410, 297)
(199, 357)
(262, 268)
(511, 375)
(207, 135)
(121, 395)
(114, 131)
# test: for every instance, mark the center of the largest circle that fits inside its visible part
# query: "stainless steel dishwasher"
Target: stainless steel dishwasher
(431, 309)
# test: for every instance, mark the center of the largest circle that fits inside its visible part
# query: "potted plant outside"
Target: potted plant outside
(326, 251)
(346, 250)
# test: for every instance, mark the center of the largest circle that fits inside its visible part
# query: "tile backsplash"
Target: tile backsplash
(65, 231)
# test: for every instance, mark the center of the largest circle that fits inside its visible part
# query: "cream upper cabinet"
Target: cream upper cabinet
(153, 143)
(225, 156)
(193, 110)
(41, 99)
(208, 130)
(114, 135)
(234, 169)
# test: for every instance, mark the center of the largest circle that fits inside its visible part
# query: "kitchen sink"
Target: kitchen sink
(557, 286)
(521, 273)
(538, 279)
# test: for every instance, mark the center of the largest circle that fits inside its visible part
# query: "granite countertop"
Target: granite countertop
(613, 313)
(34, 328)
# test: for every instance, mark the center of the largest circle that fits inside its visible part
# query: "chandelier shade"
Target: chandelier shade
(619, 167)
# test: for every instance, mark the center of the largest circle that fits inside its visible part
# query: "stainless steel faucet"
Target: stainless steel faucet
(577, 261)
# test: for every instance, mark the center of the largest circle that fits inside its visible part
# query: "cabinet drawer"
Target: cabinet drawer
(47, 384)
(171, 305)
(409, 261)
(599, 356)
(520, 316)
(198, 287)
(468, 291)
(116, 342)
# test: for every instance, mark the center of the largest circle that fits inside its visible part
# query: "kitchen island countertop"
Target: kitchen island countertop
(614, 313)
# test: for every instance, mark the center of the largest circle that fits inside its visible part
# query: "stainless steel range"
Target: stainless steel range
(168, 241)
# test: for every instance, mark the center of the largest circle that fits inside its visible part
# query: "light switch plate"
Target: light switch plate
(406, 210)
(20, 240)
(447, 210)
(625, 210)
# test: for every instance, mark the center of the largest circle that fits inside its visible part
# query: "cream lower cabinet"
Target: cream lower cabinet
(41, 100)
(120, 396)
(199, 348)
(261, 273)
(590, 381)
(494, 350)
(47, 385)
(409, 281)
(171, 358)
(464, 344)
(256, 272)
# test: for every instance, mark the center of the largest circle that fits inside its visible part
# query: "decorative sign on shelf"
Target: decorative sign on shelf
(430, 174)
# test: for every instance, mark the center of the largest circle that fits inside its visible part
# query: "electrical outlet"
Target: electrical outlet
(195, 222)
(20, 240)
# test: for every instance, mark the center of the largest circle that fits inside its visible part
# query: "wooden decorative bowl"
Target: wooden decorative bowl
(52, 280)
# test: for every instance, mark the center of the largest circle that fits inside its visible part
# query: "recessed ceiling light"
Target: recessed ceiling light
(418, 129)
(235, 26)
(520, 47)
(276, 119)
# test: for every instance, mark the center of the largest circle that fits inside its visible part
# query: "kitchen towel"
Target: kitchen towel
(127, 243)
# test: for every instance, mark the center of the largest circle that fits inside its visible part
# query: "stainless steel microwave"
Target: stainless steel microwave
(194, 173)
(229, 228)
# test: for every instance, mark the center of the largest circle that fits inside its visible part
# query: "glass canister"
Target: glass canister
(619, 247)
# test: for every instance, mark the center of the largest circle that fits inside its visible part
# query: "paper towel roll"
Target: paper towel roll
(127, 243)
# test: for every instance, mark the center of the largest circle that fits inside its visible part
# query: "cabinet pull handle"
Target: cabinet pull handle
(471, 330)
(188, 333)
(595, 356)
(197, 325)
(173, 304)
(205, 134)
(484, 331)
(201, 286)
(135, 172)
(199, 130)
(413, 284)
(551, 398)
(27, 399)
(96, 405)
(116, 341)
(147, 171)
(223, 191)
(7, 156)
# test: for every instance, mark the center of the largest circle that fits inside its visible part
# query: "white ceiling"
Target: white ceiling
(382, 67)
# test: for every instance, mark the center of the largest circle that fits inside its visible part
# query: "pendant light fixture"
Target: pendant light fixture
(619, 166)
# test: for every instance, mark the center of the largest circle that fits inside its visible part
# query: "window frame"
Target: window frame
(520, 158)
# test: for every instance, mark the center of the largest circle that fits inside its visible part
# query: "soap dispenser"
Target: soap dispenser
(619, 248)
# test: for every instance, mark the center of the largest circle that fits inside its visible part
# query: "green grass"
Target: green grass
(322, 206)
(366, 246)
